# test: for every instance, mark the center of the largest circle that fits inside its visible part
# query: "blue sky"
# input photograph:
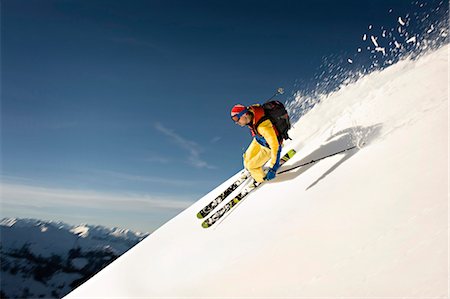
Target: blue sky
(117, 112)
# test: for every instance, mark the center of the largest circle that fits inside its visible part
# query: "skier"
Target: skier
(266, 144)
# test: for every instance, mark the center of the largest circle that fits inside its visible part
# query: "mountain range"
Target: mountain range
(48, 259)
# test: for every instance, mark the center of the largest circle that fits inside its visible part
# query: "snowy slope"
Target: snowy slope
(371, 222)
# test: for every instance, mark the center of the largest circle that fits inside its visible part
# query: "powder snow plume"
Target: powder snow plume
(412, 36)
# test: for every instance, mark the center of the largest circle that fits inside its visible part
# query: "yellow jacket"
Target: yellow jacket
(268, 132)
(268, 136)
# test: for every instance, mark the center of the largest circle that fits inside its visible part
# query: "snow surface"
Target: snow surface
(372, 222)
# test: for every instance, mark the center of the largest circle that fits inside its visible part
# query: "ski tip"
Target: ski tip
(205, 225)
(199, 215)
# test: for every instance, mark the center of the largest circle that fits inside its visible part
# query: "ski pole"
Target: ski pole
(313, 161)
(279, 91)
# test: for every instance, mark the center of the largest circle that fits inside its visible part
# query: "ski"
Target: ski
(216, 201)
(244, 176)
(229, 205)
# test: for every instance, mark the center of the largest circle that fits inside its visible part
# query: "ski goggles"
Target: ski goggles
(238, 116)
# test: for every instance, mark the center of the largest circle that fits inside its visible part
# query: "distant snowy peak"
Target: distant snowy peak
(82, 230)
(120, 232)
(29, 222)
(8, 222)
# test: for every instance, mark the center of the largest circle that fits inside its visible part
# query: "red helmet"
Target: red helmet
(237, 111)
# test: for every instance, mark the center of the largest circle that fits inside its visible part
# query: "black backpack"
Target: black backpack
(276, 112)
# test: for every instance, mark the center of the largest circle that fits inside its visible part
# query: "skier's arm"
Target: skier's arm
(268, 132)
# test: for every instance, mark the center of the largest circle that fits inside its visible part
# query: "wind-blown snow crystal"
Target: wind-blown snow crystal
(414, 35)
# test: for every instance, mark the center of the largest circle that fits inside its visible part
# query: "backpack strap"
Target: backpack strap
(260, 121)
(264, 118)
(258, 112)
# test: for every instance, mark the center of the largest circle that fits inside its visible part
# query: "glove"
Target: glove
(271, 174)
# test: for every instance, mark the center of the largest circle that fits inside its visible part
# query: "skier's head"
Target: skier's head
(240, 115)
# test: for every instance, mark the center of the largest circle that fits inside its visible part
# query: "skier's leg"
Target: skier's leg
(254, 159)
